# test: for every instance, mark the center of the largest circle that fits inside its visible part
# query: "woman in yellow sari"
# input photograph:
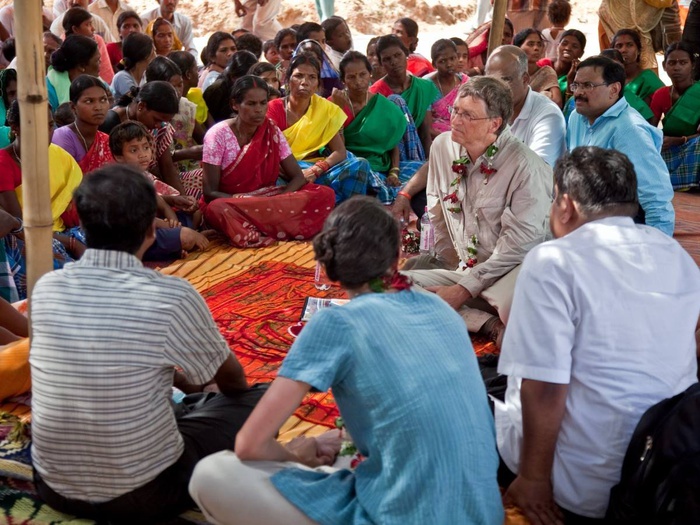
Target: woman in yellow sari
(312, 126)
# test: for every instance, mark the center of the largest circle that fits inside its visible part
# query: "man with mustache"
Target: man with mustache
(603, 118)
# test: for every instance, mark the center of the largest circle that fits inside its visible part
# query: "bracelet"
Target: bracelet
(323, 166)
(19, 228)
(404, 194)
(71, 244)
(394, 172)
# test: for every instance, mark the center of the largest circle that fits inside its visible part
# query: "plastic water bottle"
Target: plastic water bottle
(321, 280)
(427, 235)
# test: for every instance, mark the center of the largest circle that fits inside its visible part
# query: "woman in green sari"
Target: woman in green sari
(641, 82)
(679, 105)
(374, 128)
(419, 94)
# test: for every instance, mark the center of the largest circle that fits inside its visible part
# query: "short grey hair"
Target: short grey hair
(496, 95)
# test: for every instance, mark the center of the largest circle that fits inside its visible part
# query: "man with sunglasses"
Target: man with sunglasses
(488, 198)
(603, 118)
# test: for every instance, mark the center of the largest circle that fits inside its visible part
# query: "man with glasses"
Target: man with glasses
(488, 199)
(603, 118)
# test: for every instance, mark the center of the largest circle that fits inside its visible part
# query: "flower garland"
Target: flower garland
(459, 166)
(397, 282)
(472, 251)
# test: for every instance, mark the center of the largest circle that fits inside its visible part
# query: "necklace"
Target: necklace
(352, 108)
(77, 130)
(14, 150)
(288, 111)
(437, 77)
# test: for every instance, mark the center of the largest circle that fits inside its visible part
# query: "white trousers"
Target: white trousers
(262, 20)
(234, 492)
(495, 300)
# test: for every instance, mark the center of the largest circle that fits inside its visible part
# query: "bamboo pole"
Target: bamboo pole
(34, 137)
(497, 23)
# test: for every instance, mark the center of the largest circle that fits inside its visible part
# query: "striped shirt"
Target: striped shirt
(107, 333)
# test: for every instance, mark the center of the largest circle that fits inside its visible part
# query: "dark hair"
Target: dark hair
(53, 37)
(159, 96)
(269, 44)
(250, 42)
(578, 35)
(8, 49)
(184, 60)
(282, 34)
(245, 84)
(159, 22)
(359, 242)
(612, 54)
(311, 46)
(240, 63)
(12, 115)
(612, 71)
(681, 45)
(387, 41)
(76, 50)
(519, 39)
(162, 68)
(63, 116)
(6, 76)
(409, 25)
(83, 82)
(300, 60)
(116, 205)
(136, 47)
(458, 41)
(559, 12)
(372, 42)
(634, 35)
(213, 44)
(440, 46)
(507, 22)
(306, 29)
(353, 56)
(73, 18)
(126, 132)
(217, 95)
(332, 23)
(260, 68)
(125, 15)
(598, 180)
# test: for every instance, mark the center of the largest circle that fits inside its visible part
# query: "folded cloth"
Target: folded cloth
(14, 369)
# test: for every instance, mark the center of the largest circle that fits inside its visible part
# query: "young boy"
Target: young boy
(131, 143)
(559, 13)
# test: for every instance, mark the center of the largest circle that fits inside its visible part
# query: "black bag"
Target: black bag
(660, 481)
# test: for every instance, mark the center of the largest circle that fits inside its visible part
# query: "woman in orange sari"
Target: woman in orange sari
(89, 146)
(243, 158)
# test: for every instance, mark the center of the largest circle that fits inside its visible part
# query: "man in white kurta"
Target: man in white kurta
(602, 327)
(503, 208)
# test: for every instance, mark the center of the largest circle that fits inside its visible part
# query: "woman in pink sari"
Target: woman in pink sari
(243, 158)
(447, 80)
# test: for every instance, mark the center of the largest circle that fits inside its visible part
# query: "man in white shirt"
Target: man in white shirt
(181, 23)
(259, 17)
(537, 120)
(100, 26)
(602, 327)
(109, 11)
(7, 18)
(488, 198)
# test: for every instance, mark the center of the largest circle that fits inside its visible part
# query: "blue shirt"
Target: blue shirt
(406, 380)
(622, 128)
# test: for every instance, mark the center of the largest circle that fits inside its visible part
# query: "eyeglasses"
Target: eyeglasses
(462, 114)
(585, 86)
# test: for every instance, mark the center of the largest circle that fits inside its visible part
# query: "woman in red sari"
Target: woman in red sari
(243, 158)
(86, 144)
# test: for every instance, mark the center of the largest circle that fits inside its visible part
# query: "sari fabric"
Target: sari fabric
(441, 108)
(545, 78)
(258, 213)
(183, 127)
(645, 84)
(420, 96)
(65, 177)
(98, 155)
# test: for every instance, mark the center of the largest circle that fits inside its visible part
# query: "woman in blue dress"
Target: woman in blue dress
(404, 375)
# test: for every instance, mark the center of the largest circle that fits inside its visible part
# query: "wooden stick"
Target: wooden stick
(497, 23)
(34, 136)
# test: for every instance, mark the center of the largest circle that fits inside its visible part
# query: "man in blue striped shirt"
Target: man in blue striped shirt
(108, 335)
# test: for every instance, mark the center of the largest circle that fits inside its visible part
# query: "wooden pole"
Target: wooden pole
(34, 136)
(497, 23)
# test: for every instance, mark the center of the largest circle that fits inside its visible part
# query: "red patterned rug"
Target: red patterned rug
(253, 311)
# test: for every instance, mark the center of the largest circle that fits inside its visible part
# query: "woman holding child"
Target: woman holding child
(410, 441)
(243, 158)
(312, 127)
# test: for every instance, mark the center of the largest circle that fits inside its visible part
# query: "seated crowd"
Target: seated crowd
(548, 185)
